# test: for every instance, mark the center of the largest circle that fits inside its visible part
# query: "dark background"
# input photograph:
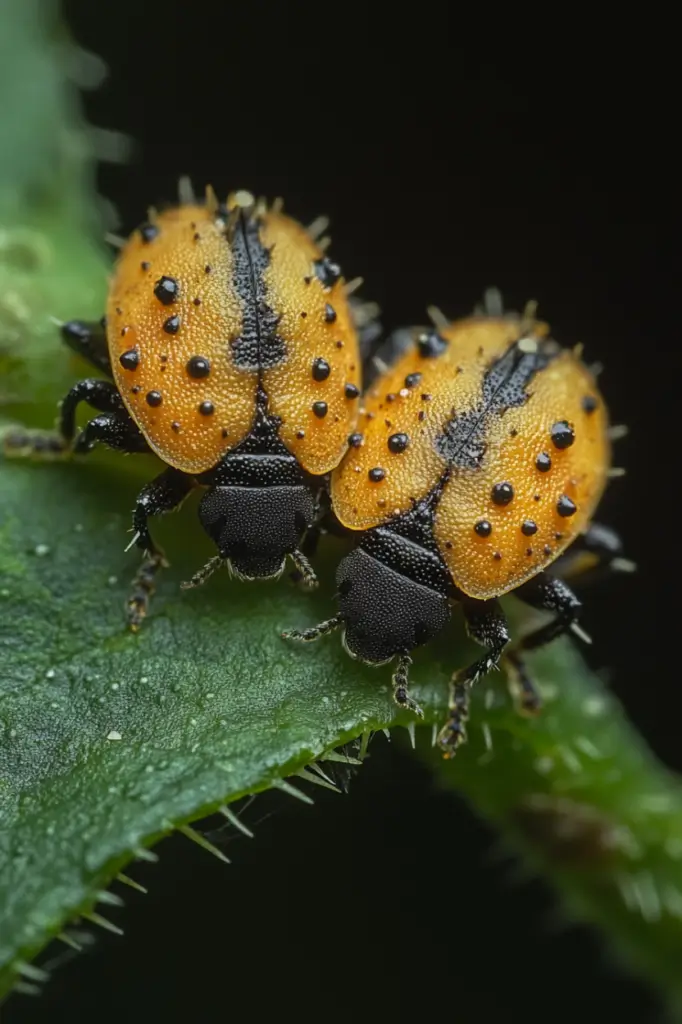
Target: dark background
(450, 156)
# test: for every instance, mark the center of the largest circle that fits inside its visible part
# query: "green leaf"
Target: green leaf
(107, 739)
(582, 798)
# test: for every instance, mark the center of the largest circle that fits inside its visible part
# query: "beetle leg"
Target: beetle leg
(314, 632)
(525, 693)
(115, 428)
(304, 573)
(88, 338)
(100, 394)
(144, 585)
(163, 494)
(487, 624)
(401, 693)
(201, 575)
(454, 732)
(43, 445)
(547, 593)
(595, 554)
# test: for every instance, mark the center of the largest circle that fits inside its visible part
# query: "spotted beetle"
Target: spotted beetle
(482, 453)
(231, 349)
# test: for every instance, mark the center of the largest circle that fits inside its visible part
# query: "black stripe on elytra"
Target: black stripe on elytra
(259, 346)
(260, 459)
(406, 543)
(464, 438)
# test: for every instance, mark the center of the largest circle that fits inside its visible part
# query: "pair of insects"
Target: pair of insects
(233, 348)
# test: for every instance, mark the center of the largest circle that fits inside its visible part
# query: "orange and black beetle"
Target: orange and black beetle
(481, 455)
(232, 351)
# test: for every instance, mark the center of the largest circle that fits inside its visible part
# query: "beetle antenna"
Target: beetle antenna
(314, 632)
(305, 570)
(203, 574)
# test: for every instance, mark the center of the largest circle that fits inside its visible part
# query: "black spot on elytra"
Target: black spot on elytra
(329, 314)
(562, 435)
(172, 324)
(351, 391)
(206, 408)
(565, 507)
(148, 232)
(320, 409)
(502, 493)
(167, 290)
(543, 462)
(327, 271)
(376, 475)
(528, 528)
(154, 398)
(198, 367)
(483, 528)
(398, 443)
(355, 440)
(130, 360)
(321, 369)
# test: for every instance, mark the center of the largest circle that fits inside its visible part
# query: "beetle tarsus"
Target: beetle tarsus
(401, 694)
(41, 445)
(144, 585)
(454, 733)
(525, 694)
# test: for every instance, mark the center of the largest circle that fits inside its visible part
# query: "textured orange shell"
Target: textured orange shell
(301, 300)
(514, 437)
(193, 247)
